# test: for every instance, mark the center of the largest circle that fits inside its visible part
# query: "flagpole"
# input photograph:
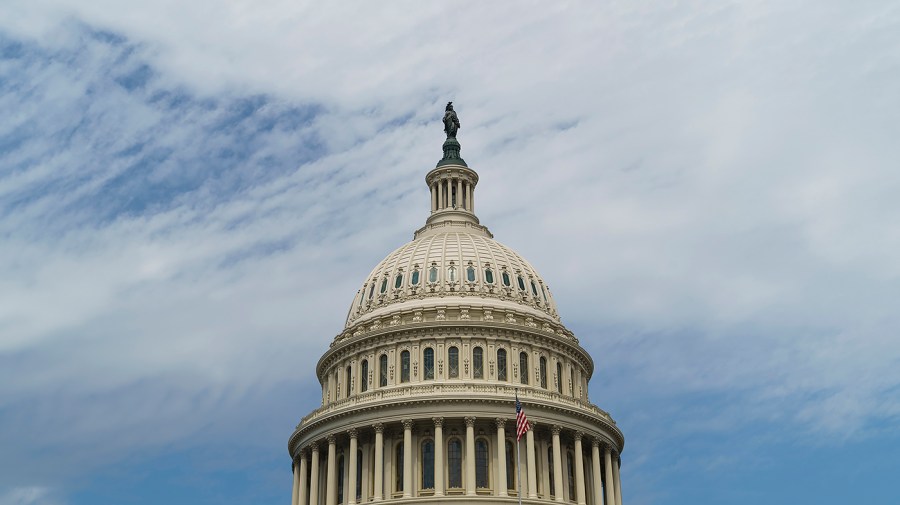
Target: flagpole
(518, 455)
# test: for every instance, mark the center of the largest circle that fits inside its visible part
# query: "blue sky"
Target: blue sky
(190, 195)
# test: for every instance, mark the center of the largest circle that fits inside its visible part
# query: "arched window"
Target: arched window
(414, 278)
(559, 377)
(544, 293)
(349, 375)
(521, 283)
(340, 479)
(372, 289)
(404, 366)
(382, 371)
(454, 463)
(523, 367)
(428, 364)
(383, 285)
(570, 473)
(481, 463)
(362, 297)
(504, 276)
(470, 274)
(453, 362)
(359, 474)
(398, 468)
(543, 372)
(551, 472)
(510, 465)
(533, 288)
(478, 363)
(488, 276)
(571, 382)
(501, 364)
(428, 464)
(364, 376)
(398, 281)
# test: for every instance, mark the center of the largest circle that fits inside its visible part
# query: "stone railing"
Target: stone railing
(455, 391)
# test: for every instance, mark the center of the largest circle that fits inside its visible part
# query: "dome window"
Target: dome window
(428, 369)
(364, 376)
(432, 273)
(372, 290)
(488, 276)
(404, 366)
(501, 364)
(544, 292)
(414, 278)
(506, 281)
(383, 285)
(398, 281)
(534, 288)
(543, 372)
(453, 359)
(470, 274)
(382, 370)
(523, 367)
(521, 283)
(451, 273)
(478, 363)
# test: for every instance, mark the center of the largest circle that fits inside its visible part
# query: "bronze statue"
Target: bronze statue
(451, 122)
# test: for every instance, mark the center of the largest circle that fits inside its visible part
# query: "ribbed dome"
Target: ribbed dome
(451, 268)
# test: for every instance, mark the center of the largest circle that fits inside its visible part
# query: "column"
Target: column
(433, 197)
(303, 495)
(501, 456)
(296, 488)
(439, 186)
(609, 485)
(459, 197)
(598, 479)
(314, 477)
(438, 455)
(557, 465)
(579, 470)
(331, 475)
(616, 481)
(532, 463)
(407, 457)
(471, 202)
(470, 455)
(379, 462)
(351, 476)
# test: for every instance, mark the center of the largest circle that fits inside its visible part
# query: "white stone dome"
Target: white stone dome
(456, 267)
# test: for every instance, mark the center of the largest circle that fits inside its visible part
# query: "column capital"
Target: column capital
(379, 428)
(438, 422)
(578, 435)
(353, 433)
(331, 439)
(554, 430)
(313, 447)
(407, 424)
(470, 421)
(500, 422)
(596, 442)
(302, 453)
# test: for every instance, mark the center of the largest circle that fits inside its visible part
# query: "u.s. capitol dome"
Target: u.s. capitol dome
(419, 389)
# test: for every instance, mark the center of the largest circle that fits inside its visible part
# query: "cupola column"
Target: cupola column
(433, 197)
(331, 475)
(459, 196)
(351, 477)
(501, 456)
(470, 456)
(618, 483)
(598, 479)
(579, 470)
(608, 484)
(379, 462)
(557, 465)
(471, 202)
(407, 458)
(438, 455)
(532, 463)
(314, 477)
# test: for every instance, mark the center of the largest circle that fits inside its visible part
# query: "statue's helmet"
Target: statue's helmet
(449, 106)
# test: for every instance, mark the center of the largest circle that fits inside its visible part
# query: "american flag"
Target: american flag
(521, 421)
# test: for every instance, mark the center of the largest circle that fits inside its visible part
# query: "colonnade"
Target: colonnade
(452, 193)
(358, 469)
